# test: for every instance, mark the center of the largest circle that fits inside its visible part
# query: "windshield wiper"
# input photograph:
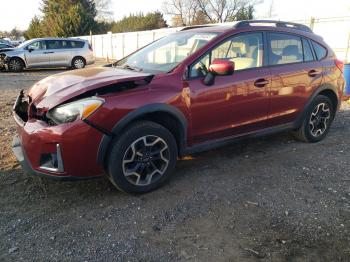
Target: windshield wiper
(133, 68)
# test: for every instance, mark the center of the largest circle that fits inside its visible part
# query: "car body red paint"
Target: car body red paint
(249, 101)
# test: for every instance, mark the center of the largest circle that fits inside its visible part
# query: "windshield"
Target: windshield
(24, 43)
(165, 54)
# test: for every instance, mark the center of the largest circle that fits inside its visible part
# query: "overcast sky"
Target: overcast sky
(17, 13)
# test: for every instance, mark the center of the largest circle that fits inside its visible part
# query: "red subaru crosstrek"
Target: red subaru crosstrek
(187, 92)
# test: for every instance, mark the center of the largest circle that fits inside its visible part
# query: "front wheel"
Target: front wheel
(16, 65)
(317, 121)
(142, 158)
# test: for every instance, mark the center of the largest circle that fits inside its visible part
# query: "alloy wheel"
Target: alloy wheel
(78, 63)
(319, 119)
(146, 160)
(15, 65)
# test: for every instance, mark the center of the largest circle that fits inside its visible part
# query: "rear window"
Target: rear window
(320, 51)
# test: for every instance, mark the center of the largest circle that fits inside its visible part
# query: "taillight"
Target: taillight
(340, 65)
(90, 47)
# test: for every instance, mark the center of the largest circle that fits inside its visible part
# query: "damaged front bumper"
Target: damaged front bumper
(62, 152)
(3, 62)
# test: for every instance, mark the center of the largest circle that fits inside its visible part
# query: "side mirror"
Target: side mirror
(30, 49)
(219, 67)
(222, 67)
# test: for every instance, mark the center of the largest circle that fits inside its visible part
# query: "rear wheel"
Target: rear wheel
(317, 121)
(78, 63)
(16, 65)
(142, 158)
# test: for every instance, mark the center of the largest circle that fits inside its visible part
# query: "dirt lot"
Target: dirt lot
(270, 199)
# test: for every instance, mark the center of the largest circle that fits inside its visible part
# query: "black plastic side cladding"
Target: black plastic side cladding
(152, 108)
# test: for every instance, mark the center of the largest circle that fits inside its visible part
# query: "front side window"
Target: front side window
(245, 50)
(165, 54)
(284, 49)
(37, 45)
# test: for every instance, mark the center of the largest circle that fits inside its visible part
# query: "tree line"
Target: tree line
(65, 18)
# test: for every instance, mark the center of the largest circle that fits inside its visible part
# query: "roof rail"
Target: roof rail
(247, 23)
(195, 26)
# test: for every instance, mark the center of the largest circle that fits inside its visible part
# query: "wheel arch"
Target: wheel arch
(166, 115)
(327, 90)
(20, 58)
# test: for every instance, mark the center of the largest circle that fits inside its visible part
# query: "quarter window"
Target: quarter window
(320, 51)
(285, 49)
(307, 51)
(76, 44)
(245, 50)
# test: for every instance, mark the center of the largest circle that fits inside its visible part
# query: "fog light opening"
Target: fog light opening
(52, 161)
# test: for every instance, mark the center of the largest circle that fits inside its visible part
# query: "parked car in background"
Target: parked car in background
(5, 47)
(49, 52)
(190, 91)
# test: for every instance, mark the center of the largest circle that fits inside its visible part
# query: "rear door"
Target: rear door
(58, 52)
(235, 104)
(36, 54)
(295, 75)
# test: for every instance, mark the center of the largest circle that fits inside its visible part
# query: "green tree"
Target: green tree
(62, 18)
(34, 30)
(139, 22)
(245, 13)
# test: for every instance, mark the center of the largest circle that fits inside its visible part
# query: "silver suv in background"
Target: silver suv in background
(49, 52)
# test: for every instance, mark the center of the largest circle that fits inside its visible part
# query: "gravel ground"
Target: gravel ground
(267, 199)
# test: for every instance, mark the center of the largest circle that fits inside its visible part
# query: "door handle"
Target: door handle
(261, 82)
(48, 52)
(313, 73)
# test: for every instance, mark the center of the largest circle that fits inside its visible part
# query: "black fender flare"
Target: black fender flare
(323, 87)
(137, 114)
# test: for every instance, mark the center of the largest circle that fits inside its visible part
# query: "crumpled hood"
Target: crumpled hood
(59, 88)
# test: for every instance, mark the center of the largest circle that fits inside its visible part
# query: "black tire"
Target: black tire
(128, 156)
(78, 62)
(307, 132)
(16, 65)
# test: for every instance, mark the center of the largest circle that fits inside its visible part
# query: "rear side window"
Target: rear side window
(53, 44)
(76, 44)
(308, 56)
(320, 51)
(285, 49)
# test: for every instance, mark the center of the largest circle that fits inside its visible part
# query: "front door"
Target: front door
(36, 54)
(236, 104)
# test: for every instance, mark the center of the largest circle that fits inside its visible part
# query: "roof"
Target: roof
(253, 24)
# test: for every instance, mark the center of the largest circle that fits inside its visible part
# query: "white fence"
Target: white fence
(335, 31)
